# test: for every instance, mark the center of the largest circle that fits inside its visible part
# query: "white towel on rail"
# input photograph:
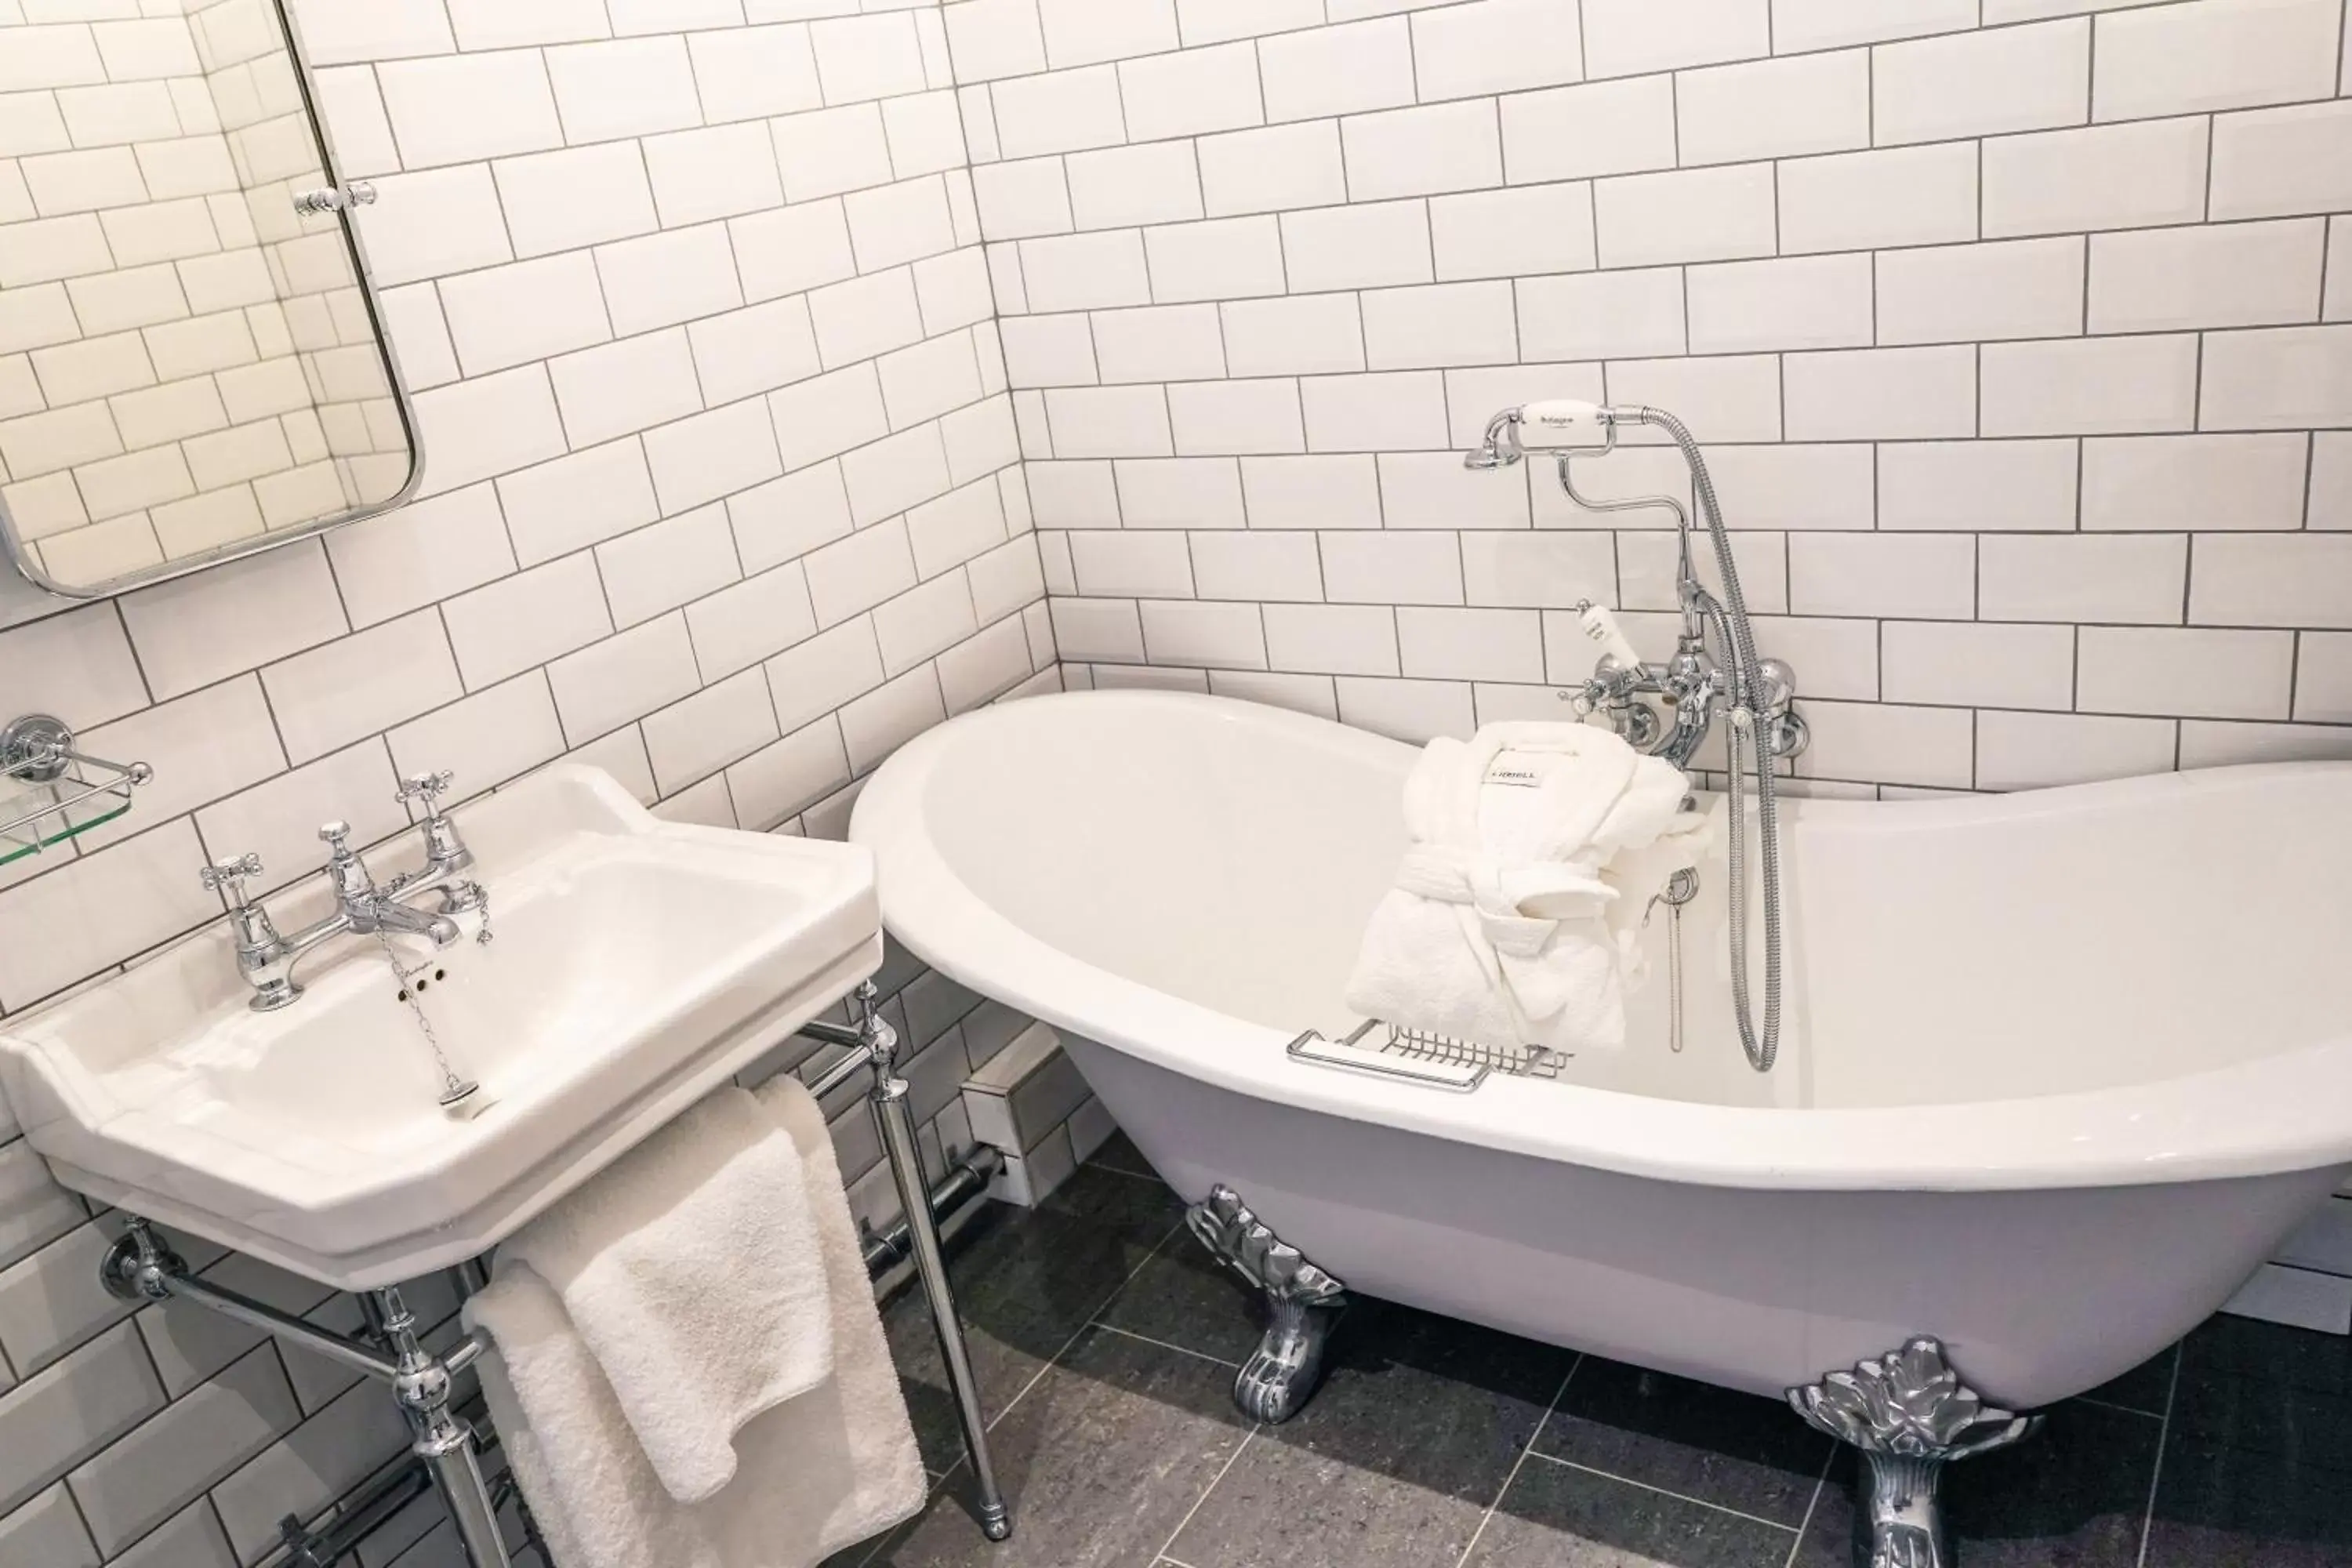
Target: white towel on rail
(1535, 850)
(821, 1471)
(689, 1270)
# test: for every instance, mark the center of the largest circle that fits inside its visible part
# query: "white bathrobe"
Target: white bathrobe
(1535, 852)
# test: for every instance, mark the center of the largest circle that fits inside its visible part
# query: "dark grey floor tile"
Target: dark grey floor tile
(1025, 1281)
(1119, 1155)
(2264, 1389)
(1100, 1462)
(2230, 1346)
(1185, 1297)
(1557, 1516)
(1735, 1451)
(1394, 1462)
(2145, 1387)
(2072, 1496)
(2224, 1508)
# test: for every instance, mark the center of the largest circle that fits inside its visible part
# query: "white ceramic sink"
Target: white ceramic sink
(636, 965)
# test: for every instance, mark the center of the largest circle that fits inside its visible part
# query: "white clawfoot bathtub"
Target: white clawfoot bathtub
(2060, 1068)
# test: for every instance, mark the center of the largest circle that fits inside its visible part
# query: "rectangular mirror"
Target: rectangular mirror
(192, 365)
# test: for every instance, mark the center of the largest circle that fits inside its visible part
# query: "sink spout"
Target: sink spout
(401, 920)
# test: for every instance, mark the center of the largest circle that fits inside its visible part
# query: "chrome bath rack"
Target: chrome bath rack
(1416, 1055)
(49, 792)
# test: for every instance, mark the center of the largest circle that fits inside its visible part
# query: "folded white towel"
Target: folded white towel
(820, 1472)
(1535, 850)
(690, 1271)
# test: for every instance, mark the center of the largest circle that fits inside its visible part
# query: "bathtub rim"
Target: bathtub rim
(2161, 1131)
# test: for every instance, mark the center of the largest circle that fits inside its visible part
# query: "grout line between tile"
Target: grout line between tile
(1660, 1491)
(2119, 1409)
(1100, 1308)
(1520, 1463)
(1820, 1483)
(1226, 1469)
(2156, 1471)
(1163, 1344)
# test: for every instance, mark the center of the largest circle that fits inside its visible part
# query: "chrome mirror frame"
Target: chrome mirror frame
(13, 544)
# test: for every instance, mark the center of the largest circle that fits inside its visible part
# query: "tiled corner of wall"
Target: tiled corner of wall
(2018, 336)
(1030, 1104)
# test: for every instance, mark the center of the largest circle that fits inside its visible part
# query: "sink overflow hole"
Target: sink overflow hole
(422, 985)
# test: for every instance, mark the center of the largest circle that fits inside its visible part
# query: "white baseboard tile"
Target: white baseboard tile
(1028, 1179)
(2298, 1298)
(2323, 1242)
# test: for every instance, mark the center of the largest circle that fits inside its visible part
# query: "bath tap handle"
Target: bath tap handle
(333, 835)
(231, 874)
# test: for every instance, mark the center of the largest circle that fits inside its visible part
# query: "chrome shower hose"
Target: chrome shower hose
(1763, 1047)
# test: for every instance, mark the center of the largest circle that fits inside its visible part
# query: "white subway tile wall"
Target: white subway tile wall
(724, 496)
(2017, 333)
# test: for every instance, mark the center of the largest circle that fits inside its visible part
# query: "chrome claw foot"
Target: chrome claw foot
(1910, 1414)
(1275, 1383)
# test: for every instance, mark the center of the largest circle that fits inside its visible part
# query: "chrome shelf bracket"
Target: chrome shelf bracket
(336, 198)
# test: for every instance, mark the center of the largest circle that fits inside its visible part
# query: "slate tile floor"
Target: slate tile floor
(1104, 1343)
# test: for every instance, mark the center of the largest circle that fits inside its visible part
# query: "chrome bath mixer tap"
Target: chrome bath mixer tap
(266, 959)
(1756, 695)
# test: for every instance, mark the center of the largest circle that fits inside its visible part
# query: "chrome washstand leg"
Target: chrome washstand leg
(140, 1266)
(422, 1387)
(1910, 1414)
(1275, 1383)
(896, 1117)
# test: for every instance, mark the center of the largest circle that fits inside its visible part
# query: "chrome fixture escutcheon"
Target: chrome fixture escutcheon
(1275, 1383)
(336, 198)
(1910, 1415)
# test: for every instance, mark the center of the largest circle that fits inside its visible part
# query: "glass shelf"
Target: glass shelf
(49, 793)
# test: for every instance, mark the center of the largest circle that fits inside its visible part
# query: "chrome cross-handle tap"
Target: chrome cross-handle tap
(257, 941)
(1610, 694)
(232, 874)
(426, 787)
(447, 857)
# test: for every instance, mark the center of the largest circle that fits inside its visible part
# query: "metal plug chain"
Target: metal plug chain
(454, 1086)
(482, 938)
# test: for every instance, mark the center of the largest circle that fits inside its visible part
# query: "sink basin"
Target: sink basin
(636, 965)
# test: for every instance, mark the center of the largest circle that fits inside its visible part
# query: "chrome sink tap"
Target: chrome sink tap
(266, 959)
(447, 858)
